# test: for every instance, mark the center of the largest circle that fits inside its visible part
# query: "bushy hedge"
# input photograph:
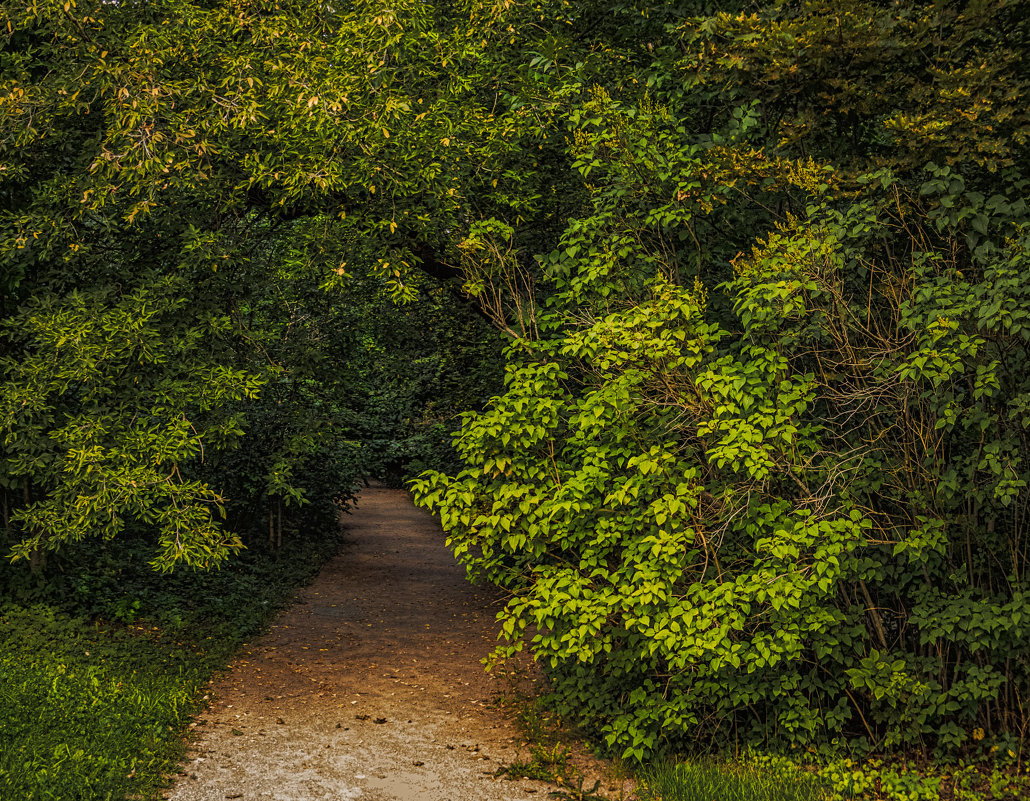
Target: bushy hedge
(762, 474)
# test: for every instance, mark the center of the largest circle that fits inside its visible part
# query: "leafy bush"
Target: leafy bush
(759, 469)
(93, 454)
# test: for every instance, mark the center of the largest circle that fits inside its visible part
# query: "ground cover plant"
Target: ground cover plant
(758, 776)
(104, 666)
(89, 712)
(744, 780)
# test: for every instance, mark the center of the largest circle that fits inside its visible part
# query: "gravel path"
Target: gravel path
(370, 687)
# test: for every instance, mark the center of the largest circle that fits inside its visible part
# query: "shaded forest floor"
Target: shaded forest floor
(371, 686)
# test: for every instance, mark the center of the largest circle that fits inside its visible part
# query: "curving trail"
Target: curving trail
(370, 687)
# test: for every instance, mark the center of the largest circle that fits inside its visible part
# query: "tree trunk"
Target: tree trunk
(279, 540)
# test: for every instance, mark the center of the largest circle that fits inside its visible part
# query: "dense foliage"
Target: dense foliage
(760, 471)
(205, 211)
(213, 327)
(758, 468)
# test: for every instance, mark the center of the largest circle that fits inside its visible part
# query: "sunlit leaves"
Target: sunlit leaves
(774, 418)
(102, 412)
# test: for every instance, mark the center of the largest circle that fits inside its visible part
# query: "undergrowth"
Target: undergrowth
(767, 777)
(101, 667)
(544, 752)
(713, 780)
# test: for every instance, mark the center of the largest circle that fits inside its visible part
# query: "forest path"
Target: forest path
(370, 687)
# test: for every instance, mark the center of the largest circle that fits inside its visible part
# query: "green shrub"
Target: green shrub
(760, 470)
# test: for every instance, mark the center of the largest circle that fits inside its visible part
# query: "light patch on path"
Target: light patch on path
(369, 688)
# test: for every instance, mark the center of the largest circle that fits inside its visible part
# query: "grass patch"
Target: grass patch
(89, 712)
(770, 777)
(713, 780)
(101, 668)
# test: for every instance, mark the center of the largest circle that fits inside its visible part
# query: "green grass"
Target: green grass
(97, 687)
(87, 712)
(758, 776)
(713, 780)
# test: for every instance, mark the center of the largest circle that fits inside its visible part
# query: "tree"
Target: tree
(220, 155)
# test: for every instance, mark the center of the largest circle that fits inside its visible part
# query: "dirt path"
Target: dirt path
(370, 687)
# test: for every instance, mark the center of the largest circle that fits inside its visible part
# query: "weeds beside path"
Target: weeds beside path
(370, 686)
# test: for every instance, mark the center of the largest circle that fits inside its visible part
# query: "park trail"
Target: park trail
(371, 686)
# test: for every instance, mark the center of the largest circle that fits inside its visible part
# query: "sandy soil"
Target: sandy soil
(370, 687)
